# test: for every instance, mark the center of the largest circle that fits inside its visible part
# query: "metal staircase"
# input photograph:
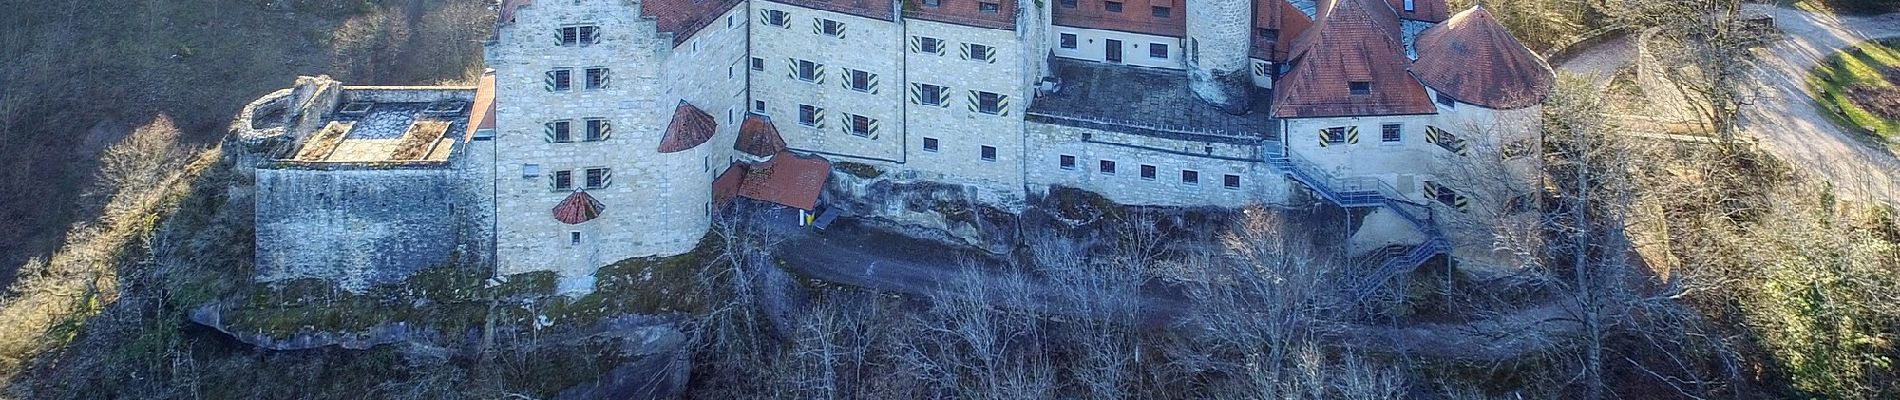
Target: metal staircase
(1366, 192)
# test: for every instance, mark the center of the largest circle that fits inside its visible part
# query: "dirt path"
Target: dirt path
(1790, 125)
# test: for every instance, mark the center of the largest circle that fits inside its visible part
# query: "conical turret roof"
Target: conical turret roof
(1472, 58)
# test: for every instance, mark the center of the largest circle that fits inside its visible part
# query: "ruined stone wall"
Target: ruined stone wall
(1219, 36)
(958, 127)
(870, 45)
(355, 225)
(1048, 143)
(642, 216)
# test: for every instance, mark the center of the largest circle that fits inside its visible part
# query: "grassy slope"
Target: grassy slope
(79, 74)
(1861, 65)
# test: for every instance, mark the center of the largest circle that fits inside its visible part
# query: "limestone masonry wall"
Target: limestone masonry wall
(355, 226)
(1218, 43)
(1049, 143)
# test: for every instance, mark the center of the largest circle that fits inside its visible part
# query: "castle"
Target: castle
(611, 129)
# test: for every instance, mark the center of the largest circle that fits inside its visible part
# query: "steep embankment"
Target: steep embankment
(97, 68)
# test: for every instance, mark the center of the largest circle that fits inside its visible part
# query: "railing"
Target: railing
(1366, 192)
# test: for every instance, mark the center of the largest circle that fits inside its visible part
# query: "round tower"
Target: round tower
(1217, 47)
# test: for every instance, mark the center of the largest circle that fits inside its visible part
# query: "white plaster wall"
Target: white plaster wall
(1398, 164)
(1260, 79)
(1259, 184)
(960, 131)
(648, 190)
(870, 45)
(1091, 45)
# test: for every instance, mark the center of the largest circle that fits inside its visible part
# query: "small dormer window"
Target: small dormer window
(1446, 100)
(933, 3)
(1360, 88)
(1268, 34)
(1160, 12)
(988, 7)
(1112, 6)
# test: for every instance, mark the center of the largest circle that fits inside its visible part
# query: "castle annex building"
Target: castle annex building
(611, 129)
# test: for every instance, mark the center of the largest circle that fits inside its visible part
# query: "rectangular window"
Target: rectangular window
(1191, 177)
(931, 95)
(1160, 12)
(1446, 140)
(579, 35)
(809, 115)
(758, 106)
(1068, 3)
(862, 125)
(598, 178)
(1068, 40)
(1516, 149)
(1360, 88)
(560, 80)
(1268, 34)
(1067, 161)
(987, 7)
(808, 71)
(1112, 6)
(777, 18)
(1446, 100)
(1390, 132)
(989, 153)
(597, 130)
(1231, 181)
(758, 64)
(597, 78)
(1108, 167)
(1441, 193)
(831, 28)
(560, 131)
(991, 103)
(1333, 135)
(530, 170)
(980, 52)
(730, 21)
(933, 3)
(1147, 172)
(563, 180)
(861, 80)
(929, 45)
(574, 238)
(930, 144)
(1410, 6)
(1157, 50)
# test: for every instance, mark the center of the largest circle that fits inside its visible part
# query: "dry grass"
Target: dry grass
(419, 140)
(319, 146)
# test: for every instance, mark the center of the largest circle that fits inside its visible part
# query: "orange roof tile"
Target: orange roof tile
(684, 18)
(758, 137)
(482, 115)
(690, 128)
(1135, 16)
(577, 208)
(1285, 20)
(785, 179)
(1422, 10)
(965, 12)
(1472, 58)
(1352, 41)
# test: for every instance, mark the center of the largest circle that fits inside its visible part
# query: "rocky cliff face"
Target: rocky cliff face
(958, 214)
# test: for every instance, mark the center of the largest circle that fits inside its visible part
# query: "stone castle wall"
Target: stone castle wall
(1219, 37)
(870, 45)
(655, 204)
(355, 225)
(1212, 161)
(959, 129)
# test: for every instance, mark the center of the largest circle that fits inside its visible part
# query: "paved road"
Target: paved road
(1783, 117)
(1790, 125)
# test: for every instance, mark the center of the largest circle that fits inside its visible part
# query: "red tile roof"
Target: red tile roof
(1352, 41)
(758, 137)
(1472, 58)
(873, 9)
(1422, 10)
(577, 208)
(690, 128)
(1281, 16)
(482, 115)
(1136, 16)
(785, 179)
(965, 12)
(684, 18)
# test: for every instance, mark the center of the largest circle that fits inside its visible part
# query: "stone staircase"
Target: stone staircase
(1367, 192)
